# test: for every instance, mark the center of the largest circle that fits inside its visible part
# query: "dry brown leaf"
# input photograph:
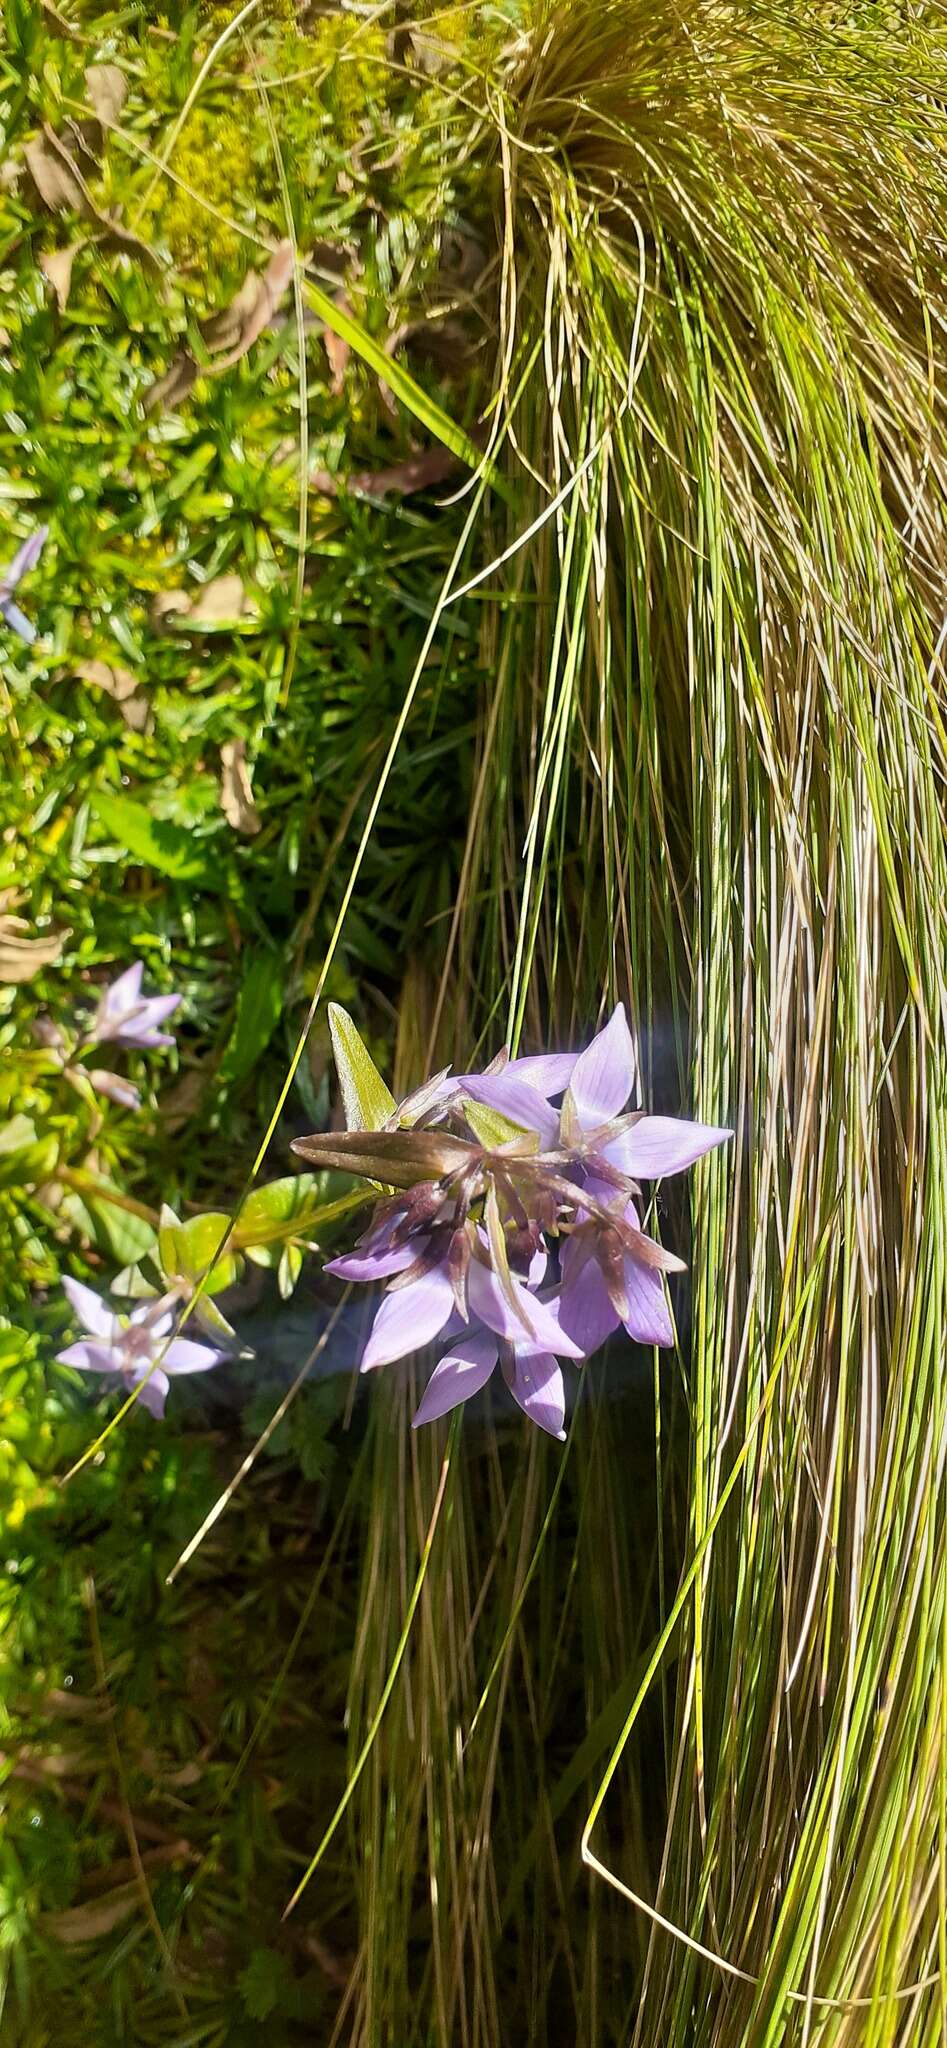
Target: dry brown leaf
(418, 473)
(175, 385)
(95, 1918)
(107, 88)
(62, 187)
(56, 23)
(59, 184)
(165, 603)
(220, 601)
(236, 794)
(117, 682)
(240, 324)
(123, 1869)
(71, 1706)
(233, 330)
(23, 957)
(57, 270)
(120, 684)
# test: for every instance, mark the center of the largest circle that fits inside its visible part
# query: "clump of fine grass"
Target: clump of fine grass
(715, 730)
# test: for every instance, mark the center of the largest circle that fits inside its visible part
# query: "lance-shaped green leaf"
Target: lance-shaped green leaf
(367, 1100)
(398, 1159)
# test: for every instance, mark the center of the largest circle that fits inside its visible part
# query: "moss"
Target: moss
(214, 157)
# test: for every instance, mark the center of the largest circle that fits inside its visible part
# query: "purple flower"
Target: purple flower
(126, 1017)
(24, 560)
(591, 1124)
(534, 1378)
(419, 1305)
(464, 1243)
(610, 1275)
(128, 1347)
(504, 1321)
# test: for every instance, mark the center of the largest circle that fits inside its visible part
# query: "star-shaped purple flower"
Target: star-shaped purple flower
(125, 1017)
(597, 1087)
(478, 1205)
(504, 1319)
(24, 560)
(127, 1347)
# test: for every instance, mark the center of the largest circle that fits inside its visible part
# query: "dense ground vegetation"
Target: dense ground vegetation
(494, 464)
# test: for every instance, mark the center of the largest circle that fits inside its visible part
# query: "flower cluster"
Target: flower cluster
(139, 1349)
(486, 1183)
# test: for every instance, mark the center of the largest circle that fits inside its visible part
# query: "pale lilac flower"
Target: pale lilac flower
(127, 1348)
(125, 1017)
(24, 560)
(48, 1034)
(419, 1306)
(504, 1321)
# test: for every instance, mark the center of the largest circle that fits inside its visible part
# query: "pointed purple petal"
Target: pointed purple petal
(548, 1072)
(522, 1104)
(185, 1356)
(122, 994)
(18, 620)
(541, 1330)
(26, 557)
(649, 1318)
(157, 1008)
(662, 1144)
(89, 1358)
(604, 1074)
(369, 1265)
(465, 1369)
(536, 1383)
(94, 1314)
(585, 1310)
(409, 1319)
(154, 1392)
(537, 1268)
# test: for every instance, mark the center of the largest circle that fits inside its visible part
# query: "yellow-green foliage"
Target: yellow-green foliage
(212, 164)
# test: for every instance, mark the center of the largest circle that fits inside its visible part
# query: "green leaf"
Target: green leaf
(25, 1159)
(264, 1983)
(18, 1133)
(155, 842)
(392, 373)
(259, 1006)
(278, 1201)
(185, 1249)
(127, 1237)
(366, 1099)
